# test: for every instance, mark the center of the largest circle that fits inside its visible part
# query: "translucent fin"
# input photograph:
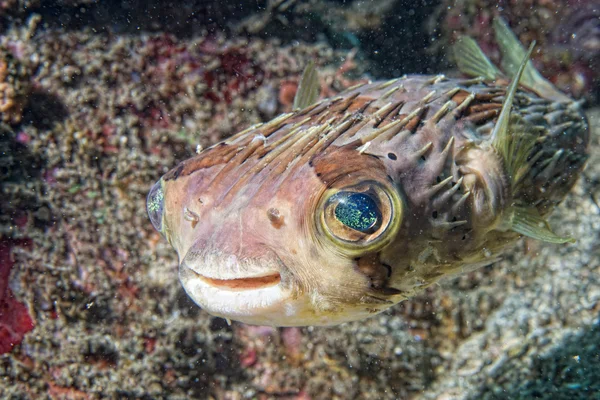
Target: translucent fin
(308, 89)
(512, 54)
(528, 222)
(515, 150)
(471, 60)
(501, 136)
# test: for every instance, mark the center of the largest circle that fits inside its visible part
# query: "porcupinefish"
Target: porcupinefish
(346, 206)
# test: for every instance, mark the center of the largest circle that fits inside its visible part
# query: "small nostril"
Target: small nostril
(155, 205)
(274, 215)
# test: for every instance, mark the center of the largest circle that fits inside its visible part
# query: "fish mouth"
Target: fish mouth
(251, 290)
(245, 283)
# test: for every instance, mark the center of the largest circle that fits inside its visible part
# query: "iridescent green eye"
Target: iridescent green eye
(361, 217)
(357, 211)
(155, 205)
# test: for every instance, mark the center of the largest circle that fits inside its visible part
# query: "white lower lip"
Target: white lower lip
(256, 304)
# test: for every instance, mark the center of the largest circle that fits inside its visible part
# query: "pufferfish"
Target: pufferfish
(346, 206)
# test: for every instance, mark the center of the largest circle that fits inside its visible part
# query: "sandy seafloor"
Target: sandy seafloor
(96, 117)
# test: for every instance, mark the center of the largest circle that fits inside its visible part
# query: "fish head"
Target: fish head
(286, 247)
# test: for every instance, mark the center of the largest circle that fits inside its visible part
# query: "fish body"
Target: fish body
(347, 206)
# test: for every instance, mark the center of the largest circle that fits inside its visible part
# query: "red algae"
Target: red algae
(15, 320)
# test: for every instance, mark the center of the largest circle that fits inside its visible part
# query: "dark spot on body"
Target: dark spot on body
(277, 220)
(434, 214)
(392, 156)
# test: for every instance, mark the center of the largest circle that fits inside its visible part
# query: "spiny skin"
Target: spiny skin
(246, 215)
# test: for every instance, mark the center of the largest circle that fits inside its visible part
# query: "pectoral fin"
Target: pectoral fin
(528, 222)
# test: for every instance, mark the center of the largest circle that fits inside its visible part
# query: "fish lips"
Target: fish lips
(251, 290)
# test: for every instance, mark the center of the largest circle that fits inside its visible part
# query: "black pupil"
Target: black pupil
(358, 211)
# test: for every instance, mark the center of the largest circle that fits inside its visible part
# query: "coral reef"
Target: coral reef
(15, 320)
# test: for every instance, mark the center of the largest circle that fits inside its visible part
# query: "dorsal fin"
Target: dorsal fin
(308, 89)
(512, 54)
(471, 60)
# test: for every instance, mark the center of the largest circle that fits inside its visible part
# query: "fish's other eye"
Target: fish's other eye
(155, 205)
(362, 217)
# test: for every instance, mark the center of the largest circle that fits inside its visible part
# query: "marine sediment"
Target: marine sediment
(108, 112)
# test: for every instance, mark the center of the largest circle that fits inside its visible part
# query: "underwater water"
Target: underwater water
(101, 98)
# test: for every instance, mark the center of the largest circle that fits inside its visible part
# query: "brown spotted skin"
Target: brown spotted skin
(252, 201)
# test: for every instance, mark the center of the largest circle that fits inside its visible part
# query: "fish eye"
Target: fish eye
(358, 211)
(155, 205)
(361, 217)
